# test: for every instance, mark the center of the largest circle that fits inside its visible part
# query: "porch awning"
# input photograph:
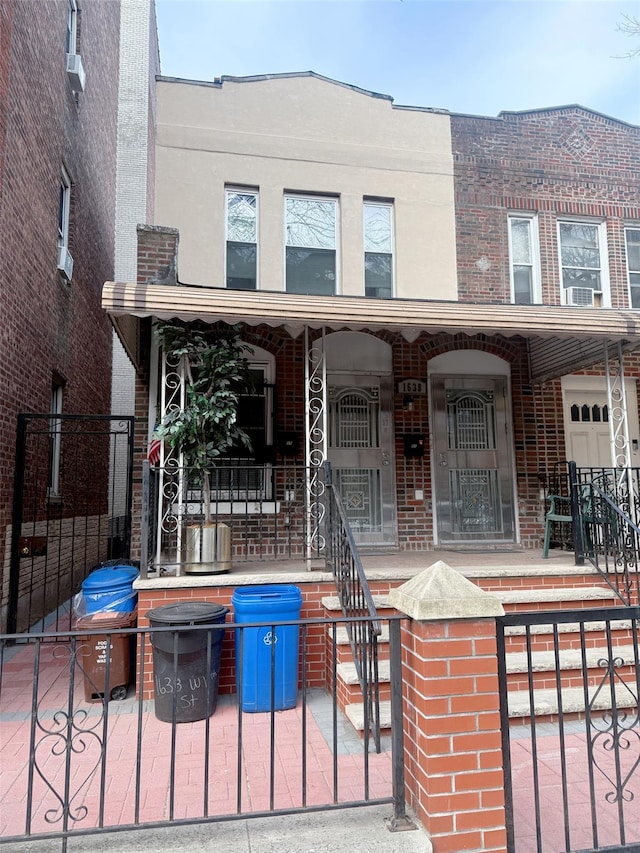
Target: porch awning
(561, 339)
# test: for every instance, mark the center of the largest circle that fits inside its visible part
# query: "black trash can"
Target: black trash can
(186, 664)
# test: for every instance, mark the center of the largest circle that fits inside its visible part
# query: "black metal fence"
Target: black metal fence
(76, 764)
(570, 683)
(604, 505)
(71, 508)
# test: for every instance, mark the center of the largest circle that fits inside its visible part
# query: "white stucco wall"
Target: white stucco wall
(305, 134)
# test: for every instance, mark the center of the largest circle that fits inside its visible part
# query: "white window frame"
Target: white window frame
(313, 197)
(237, 190)
(64, 210)
(600, 225)
(629, 269)
(372, 202)
(55, 427)
(534, 245)
(72, 28)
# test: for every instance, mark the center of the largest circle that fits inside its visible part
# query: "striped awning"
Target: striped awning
(562, 339)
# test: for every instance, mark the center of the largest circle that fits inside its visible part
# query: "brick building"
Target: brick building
(58, 120)
(428, 298)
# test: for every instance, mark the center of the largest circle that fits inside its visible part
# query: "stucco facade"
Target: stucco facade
(309, 135)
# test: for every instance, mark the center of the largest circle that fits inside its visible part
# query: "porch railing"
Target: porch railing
(265, 508)
(604, 504)
(78, 766)
(605, 501)
(356, 600)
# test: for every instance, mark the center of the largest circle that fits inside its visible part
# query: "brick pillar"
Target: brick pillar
(453, 755)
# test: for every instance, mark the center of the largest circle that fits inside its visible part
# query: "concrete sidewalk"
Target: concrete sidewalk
(361, 830)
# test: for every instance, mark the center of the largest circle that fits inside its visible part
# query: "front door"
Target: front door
(361, 454)
(586, 421)
(472, 459)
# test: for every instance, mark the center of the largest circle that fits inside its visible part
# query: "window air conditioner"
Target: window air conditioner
(65, 262)
(584, 297)
(75, 72)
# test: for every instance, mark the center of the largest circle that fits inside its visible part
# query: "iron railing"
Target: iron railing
(605, 500)
(265, 508)
(604, 504)
(356, 600)
(72, 500)
(571, 729)
(75, 764)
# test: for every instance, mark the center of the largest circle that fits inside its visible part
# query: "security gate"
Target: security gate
(71, 509)
(569, 689)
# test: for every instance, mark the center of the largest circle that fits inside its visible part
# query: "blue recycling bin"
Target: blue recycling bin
(267, 656)
(110, 589)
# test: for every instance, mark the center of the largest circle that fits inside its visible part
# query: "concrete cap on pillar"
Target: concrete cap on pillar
(440, 592)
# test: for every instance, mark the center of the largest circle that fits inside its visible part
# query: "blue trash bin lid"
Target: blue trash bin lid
(187, 613)
(267, 592)
(103, 580)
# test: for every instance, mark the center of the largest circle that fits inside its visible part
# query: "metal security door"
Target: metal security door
(361, 455)
(472, 459)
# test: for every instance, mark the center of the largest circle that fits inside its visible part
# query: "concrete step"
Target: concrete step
(555, 597)
(568, 659)
(342, 637)
(332, 603)
(546, 702)
(347, 672)
(355, 714)
(542, 637)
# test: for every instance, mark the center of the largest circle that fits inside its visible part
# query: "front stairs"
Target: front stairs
(538, 586)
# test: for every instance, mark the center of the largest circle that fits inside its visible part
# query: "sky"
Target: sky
(467, 56)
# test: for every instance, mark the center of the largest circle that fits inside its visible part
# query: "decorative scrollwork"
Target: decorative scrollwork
(617, 731)
(67, 733)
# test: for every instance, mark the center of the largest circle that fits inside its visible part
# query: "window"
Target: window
(242, 474)
(581, 263)
(378, 249)
(310, 238)
(72, 27)
(524, 267)
(632, 236)
(55, 429)
(242, 239)
(65, 261)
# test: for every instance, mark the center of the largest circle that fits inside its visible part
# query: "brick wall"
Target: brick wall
(51, 327)
(564, 162)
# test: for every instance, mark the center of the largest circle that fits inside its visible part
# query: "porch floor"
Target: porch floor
(388, 565)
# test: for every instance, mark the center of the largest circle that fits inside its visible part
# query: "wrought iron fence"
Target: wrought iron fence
(79, 759)
(263, 512)
(608, 535)
(570, 727)
(71, 508)
(356, 600)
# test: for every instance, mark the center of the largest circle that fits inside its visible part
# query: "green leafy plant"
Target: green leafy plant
(216, 371)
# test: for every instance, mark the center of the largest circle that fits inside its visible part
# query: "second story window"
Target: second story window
(581, 263)
(310, 244)
(524, 267)
(632, 236)
(65, 261)
(378, 249)
(242, 239)
(72, 27)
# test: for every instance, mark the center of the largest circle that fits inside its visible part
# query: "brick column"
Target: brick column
(453, 754)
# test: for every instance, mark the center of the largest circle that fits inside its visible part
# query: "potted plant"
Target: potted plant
(216, 371)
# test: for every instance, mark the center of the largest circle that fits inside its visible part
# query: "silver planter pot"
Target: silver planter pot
(208, 549)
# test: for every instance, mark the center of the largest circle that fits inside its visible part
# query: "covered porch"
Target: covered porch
(442, 422)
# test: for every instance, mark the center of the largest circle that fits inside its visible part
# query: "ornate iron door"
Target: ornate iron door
(472, 459)
(361, 455)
